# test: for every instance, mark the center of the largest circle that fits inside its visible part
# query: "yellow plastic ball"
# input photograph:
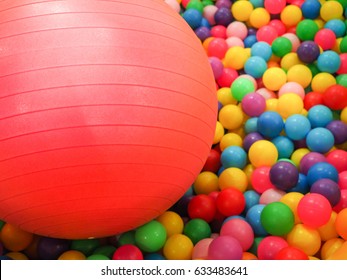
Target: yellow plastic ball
(298, 154)
(322, 81)
(272, 104)
(292, 200)
(231, 117)
(225, 97)
(178, 247)
(242, 10)
(248, 171)
(343, 115)
(72, 255)
(17, 256)
(300, 74)
(236, 57)
(230, 139)
(172, 222)
(305, 238)
(206, 182)
(219, 132)
(274, 78)
(330, 247)
(233, 177)
(328, 231)
(340, 253)
(289, 60)
(291, 15)
(331, 10)
(289, 104)
(259, 17)
(263, 153)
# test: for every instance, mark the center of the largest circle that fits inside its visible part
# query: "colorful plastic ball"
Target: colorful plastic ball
(329, 189)
(270, 124)
(310, 159)
(300, 74)
(249, 41)
(217, 48)
(340, 223)
(225, 248)
(274, 6)
(212, 163)
(217, 66)
(200, 250)
(269, 246)
(267, 33)
(253, 104)
(234, 156)
(322, 81)
(329, 61)
(284, 146)
(320, 140)
(279, 26)
(126, 238)
(289, 104)
(302, 185)
(233, 177)
(304, 238)
(237, 29)
(337, 26)
(253, 218)
(284, 175)
(274, 78)
(203, 207)
(292, 200)
(128, 252)
(335, 97)
(240, 230)
(15, 239)
(236, 57)
(193, 17)
(197, 229)
(277, 218)
(86, 246)
(230, 201)
(251, 198)
(343, 201)
(150, 237)
(343, 180)
(51, 248)
(292, 87)
(106, 250)
(310, 9)
(306, 30)
(308, 51)
(178, 247)
(251, 138)
(219, 31)
(260, 179)
(291, 15)
(325, 38)
(172, 222)
(314, 210)
(16, 256)
(262, 49)
(271, 195)
(240, 87)
(322, 170)
(259, 17)
(297, 127)
(330, 247)
(319, 116)
(263, 153)
(328, 231)
(174, 4)
(281, 46)
(339, 130)
(203, 33)
(223, 16)
(343, 65)
(312, 99)
(338, 158)
(205, 183)
(231, 116)
(331, 10)
(291, 253)
(255, 66)
(241, 11)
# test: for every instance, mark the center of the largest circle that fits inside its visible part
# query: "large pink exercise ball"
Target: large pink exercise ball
(107, 114)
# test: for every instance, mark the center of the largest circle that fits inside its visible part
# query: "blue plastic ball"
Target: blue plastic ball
(262, 49)
(320, 140)
(284, 145)
(234, 156)
(320, 116)
(192, 17)
(337, 26)
(270, 124)
(311, 9)
(297, 126)
(328, 61)
(257, 3)
(255, 66)
(252, 198)
(322, 170)
(253, 218)
(154, 257)
(301, 186)
(251, 125)
(249, 41)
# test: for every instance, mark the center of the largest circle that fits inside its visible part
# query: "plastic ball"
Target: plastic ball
(237, 29)
(292, 200)
(86, 246)
(320, 140)
(225, 248)
(15, 239)
(251, 198)
(253, 104)
(259, 17)
(193, 17)
(217, 48)
(340, 223)
(200, 250)
(241, 87)
(253, 218)
(319, 116)
(231, 116)
(314, 210)
(295, 43)
(329, 61)
(255, 66)
(178, 247)
(328, 231)
(212, 163)
(281, 46)
(260, 179)
(338, 158)
(279, 26)
(310, 159)
(297, 127)
(335, 97)
(267, 33)
(330, 247)
(270, 246)
(230, 139)
(311, 8)
(274, 78)
(302, 185)
(291, 15)
(306, 30)
(284, 175)
(172, 222)
(240, 230)
(274, 6)
(51, 248)
(331, 10)
(284, 146)
(343, 201)
(337, 26)
(312, 99)
(223, 16)
(236, 57)
(233, 177)
(291, 253)
(308, 51)
(292, 87)
(322, 81)
(300, 74)
(206, 182)
(128, 252)
(230, 201)
(262, 49)
(277, 218)
(197, 229)
(322, 170)
(217, 66)
(234, 156)
(329, 189)
(150, 237)
(262, 153)
(271, 195)
(219, 31)
(203, 207)
(106, 250)
(270, 124)
(325, 38)
(242, 10)
(304, 238)
(289, 104)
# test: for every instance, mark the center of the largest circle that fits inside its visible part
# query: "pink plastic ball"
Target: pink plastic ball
(266, 93)
(292, 87)
(274, 6)
(269, 246)
(260, 179)
(271, 195)
(200, 250)
(343, 180)
(225, 248)
(293, 39)
(325, 38)
(253, 104)
(267, 34)
(219, 31)
(314, 210)
(239, 229)
(279, 26)
(234, 41)
(217, 47)
(209, 12)
(343, 66)
(237, 29)
(227, 77)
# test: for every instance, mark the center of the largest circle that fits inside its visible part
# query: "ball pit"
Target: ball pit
(273, 184)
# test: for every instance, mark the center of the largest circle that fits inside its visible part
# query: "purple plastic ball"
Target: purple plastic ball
(223, 4)
(308, 51)
(284, 175)
(253, 104)
(51, 248)
(309, 160)
(328, 188)
(339, 130)
(217, 66)
(250, 139)
(203, 33)
(223, 16)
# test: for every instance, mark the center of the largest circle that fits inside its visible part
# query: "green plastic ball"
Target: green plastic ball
(127, 238)
(107, 251)
(281, 46)
(98, 257)
(342, 80)
(195, 4)
(240, 87)
(306, 30)
(85, 246)
(197, 229)
(277, 218)
(150, 237)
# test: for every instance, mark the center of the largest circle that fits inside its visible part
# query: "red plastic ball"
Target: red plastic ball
(217, 47)
(231, 202)
(325, 38)
(312, 99)
(213, 161)
(202, 206)
(291, 253)
(127, 252)
(335, 97)
(343, 66)
(338, 158)
(219, 31)
(266, 33)
(99, 119)
(227, 77)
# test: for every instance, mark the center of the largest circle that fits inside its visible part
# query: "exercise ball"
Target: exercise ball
(107, 114)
